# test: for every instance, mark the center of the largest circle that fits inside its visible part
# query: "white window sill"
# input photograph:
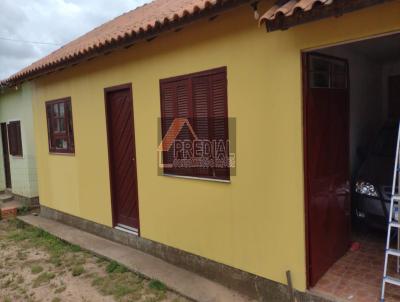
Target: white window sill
(198, 178)
(61, 153)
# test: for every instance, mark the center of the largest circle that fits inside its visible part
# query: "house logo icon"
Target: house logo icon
(171, 137)
(206, 153)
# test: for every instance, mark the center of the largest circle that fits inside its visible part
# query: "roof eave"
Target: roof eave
(127, 41)
(318, 12)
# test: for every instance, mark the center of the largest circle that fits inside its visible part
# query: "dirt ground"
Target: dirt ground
(36, 266)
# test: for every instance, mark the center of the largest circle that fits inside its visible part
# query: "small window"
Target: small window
(59, 126)
(14, 138)
(327, 72)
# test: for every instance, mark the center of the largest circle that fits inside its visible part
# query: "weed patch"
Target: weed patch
(157, 285)
(38, 238)
(77, 270)
(37, 266)
(115, 267)
(119, 285)
(43, 278)
(36, 269)
(60, 289)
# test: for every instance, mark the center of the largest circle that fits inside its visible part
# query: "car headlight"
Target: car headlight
(365, 188)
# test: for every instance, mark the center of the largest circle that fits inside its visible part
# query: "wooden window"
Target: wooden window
(14, 138)
(59, 126)
(201, 98)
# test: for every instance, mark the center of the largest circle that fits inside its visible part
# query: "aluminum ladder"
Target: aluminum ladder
(393, 224)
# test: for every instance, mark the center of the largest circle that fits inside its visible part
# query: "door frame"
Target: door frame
(388, 87)
(304, 73)
(127, 86)
(5, 147)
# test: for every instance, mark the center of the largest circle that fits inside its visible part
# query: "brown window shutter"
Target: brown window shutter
(14, 138)
(11, 138)
(69, 126)
(201, 113)
(49, 125)
(184, 110)
(19, 138)
(202, 99)
(168, 113)
(176, 103)
(219, 120)
(183, 98)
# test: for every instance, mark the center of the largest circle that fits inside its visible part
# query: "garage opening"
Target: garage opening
(351, 110)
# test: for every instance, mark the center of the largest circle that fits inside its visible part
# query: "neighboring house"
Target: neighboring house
(98, 101)
(18, 160)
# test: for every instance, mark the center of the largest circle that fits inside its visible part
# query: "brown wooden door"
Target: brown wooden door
(394, 97)
(122, 157)
(326, 163)
(6, 155)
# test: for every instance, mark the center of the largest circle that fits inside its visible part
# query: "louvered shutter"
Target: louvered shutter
(49, 125)
(168, 113)
(11, 138)
(210, 116)
(69, 127)
(219, 121)
(175, 103)
(201, 114)
(184, 110)
(19, 138)
(14, 138)
(202, 98)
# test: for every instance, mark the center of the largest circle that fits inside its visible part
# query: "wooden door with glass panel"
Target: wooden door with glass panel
(326, 138)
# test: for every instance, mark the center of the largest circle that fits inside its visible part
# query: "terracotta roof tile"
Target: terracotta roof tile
(289, 7)
(137, 24)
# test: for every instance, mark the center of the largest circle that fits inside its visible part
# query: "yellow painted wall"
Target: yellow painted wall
(255, 223)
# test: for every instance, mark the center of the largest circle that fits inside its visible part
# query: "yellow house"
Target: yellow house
(296, 92)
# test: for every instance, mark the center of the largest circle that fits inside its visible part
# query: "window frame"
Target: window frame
(190, 77)
(331, 73)
(68, 126)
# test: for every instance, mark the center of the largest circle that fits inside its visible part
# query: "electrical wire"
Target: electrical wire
(29, 42)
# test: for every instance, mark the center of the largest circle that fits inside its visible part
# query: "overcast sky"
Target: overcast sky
(49, 21)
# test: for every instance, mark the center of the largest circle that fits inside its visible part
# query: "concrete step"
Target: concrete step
(6, 197)
(11, 203)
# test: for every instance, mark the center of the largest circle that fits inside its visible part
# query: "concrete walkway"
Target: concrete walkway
(182, 281)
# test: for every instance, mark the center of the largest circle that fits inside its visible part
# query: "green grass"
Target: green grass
(43, 278)
(120, 285)
(157, 285)
(115, 267)
(36, 269)
(38, 238)
(117, 281)
(23, 210)
(77, 270)
(56, 299)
